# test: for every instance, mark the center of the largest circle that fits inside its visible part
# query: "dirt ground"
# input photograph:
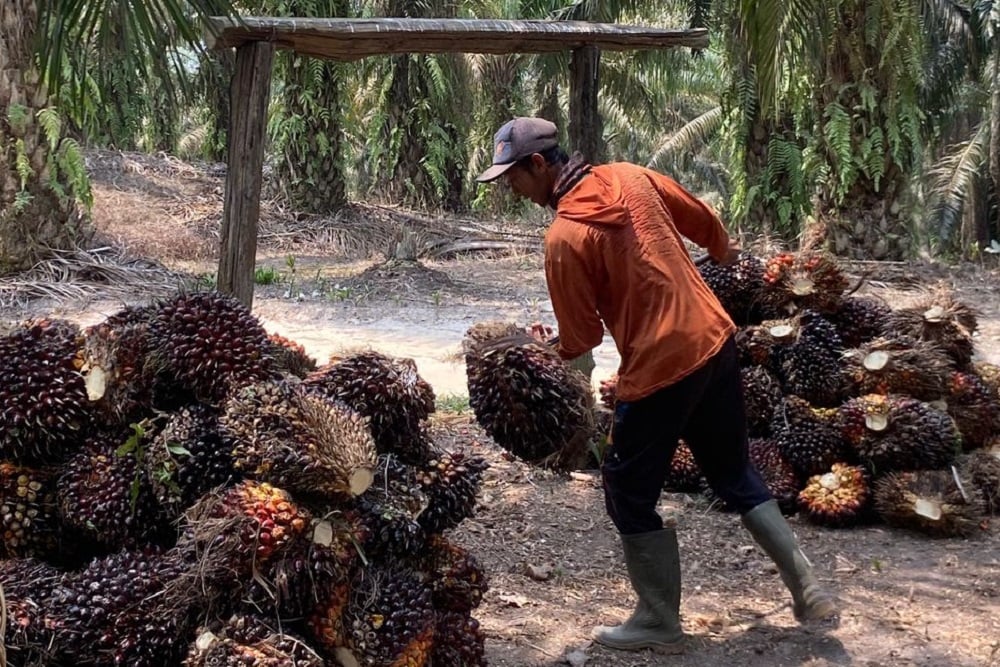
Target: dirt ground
(551, 553)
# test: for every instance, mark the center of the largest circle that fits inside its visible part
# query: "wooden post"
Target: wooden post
(586, 130)
(249, 95)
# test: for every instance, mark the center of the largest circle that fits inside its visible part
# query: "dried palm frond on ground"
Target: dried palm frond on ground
(87, 274)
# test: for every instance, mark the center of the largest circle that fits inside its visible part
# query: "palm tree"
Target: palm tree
(44, 192)
(416, 136)
(308, 126)
(850, 76)
(966, 176)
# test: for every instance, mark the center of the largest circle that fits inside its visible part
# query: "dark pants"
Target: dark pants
(705, 409)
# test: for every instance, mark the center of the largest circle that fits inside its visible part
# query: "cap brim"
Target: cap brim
(494, 172)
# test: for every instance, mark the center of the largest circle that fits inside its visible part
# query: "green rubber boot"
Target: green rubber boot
(654, 568)
(811, 602)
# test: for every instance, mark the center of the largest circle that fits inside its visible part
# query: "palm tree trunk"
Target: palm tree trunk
(870, 220)
(995, 127)
(34, 215)
(311, 171)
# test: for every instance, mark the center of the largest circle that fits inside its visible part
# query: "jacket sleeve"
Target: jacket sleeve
(692, 217)
(570, 273)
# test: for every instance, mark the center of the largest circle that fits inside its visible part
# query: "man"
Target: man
(614, 253)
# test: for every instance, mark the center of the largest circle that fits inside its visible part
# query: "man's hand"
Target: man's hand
(732, 253)
(540, 332)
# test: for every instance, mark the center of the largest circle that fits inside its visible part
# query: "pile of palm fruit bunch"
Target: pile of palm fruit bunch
(533, 404)
(858, 411)
(179, 487)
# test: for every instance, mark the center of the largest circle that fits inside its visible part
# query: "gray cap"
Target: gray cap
(516, 140)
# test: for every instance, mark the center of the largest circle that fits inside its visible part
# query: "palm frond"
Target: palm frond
(953, 175)
(687, 139)
(148, 29)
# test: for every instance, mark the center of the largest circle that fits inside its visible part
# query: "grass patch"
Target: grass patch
(266, 275)
(452, 403)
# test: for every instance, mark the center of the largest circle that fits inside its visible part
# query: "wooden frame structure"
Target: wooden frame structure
(256, 38)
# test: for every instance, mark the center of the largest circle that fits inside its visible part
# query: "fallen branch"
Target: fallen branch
(458, 247)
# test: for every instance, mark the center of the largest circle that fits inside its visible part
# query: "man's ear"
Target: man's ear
(537, 161)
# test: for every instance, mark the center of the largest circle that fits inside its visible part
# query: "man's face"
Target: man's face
(529, 179)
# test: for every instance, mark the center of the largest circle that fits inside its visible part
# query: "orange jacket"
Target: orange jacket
(614, 253)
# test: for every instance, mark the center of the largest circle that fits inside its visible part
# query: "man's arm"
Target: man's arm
(570, 277)
(693, 218)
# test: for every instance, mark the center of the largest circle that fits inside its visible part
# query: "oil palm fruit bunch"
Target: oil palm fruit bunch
(325, 625)
(450, 481)
(608, 390)
(27, 585)
(778, 474)
(458, 640)
(386, 390)
(982, 468)
(839, 497)
(113, 612)
(119, 375)
(761, 396)
(294, 582)
(209, 343)
(899, 364)
(860, 319)
(529, 400)
(228, 535)
(934, 502)
(44, 408)
(893, 433)
(812, 366)
(809, 438)
(765, 344)
(105, 496)
(738, 286)
(941, 319)
(807, 279)
(27, 511)
(974, 407)
(246, 640)
(298, 440)
(457, 580)
(389, 511)
(290, 357)
(187, 457)
(990, 375)
(390, 620)
(684, 475)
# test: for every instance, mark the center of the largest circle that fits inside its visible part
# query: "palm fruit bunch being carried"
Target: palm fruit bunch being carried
(528, 400)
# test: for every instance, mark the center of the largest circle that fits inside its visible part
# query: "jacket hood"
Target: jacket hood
(596, 199)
